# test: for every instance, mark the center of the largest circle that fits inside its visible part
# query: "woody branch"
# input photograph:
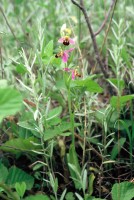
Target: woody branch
(92, 34)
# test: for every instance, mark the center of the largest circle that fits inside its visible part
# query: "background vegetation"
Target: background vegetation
(62, 138)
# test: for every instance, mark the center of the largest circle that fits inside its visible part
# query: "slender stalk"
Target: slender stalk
(106, 18)
(71, 117)
(109, 25)
(85, 131)
(8, 24)
(1, 59)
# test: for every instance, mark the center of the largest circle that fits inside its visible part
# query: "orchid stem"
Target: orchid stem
(71, 117)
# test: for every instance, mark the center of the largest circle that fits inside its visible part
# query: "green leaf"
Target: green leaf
(87, 85)
(53, 183)
(58, 130)
(54, 113)
(73, 160)
(91, 182)
(70, 196)
(114, 82)
(54, 121)
(27, 125)
(123, 191)
(21, 69)
(3, 173)
(20, 188)
(56, 62)
(79, 196)
(49, 49)
(93, 198)
(63, 194)
(117, 101)
(10, 102)
(117, 147)
(18, 1)
(20, 145)
(37, 197)
(17, 175)
(126, 57)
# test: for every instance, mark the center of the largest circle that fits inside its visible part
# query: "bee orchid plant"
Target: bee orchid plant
(66, 40)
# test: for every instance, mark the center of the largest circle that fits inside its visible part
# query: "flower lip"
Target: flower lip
(66, 40)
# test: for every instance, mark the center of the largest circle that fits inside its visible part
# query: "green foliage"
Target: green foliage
(20, 188)
(115, 83)
(117, 101)
(10, 102)
(66, 128)
(62, 129)
(4, 173)
(17, 175)
(37, 197)
(91, 181)
(123, 191)
(117, 147)
(69, 196)
(21, 69)
(54, 113)
(74, 166)
(20, 145)
(87, 85)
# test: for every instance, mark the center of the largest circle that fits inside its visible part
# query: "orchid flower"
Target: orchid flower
(66, 40)
(64, 55)
(73, 71)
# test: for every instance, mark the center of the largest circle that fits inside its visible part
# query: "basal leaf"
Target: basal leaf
(72, 159)
(3, 173)
(20, 145)
(17, 175)
(123, 191)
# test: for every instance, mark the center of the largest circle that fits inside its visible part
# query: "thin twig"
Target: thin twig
(1, 10)
(106, 18)
(82, 8)
(78, 5)
(107, 31)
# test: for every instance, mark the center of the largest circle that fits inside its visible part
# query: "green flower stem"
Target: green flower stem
(71, 117)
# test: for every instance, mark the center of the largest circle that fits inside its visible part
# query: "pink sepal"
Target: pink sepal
(61, 40)
(71, 41)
